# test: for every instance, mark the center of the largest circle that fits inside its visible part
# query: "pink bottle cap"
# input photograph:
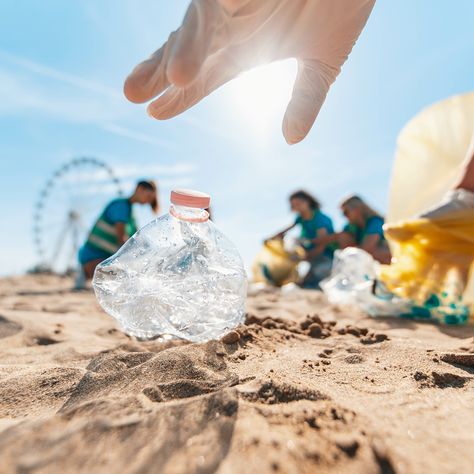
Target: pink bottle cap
(190, 198)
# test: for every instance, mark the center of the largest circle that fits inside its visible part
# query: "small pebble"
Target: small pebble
(315, 330)
(231, 337)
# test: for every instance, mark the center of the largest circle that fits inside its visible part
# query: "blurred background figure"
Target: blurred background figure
(114, 227)
(313, 224)
(364, 229)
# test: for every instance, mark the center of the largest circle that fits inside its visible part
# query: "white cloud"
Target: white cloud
(28, 88)
(154, 169)
(139, 136)
(100, 176)
(22, 96)
(57, 75)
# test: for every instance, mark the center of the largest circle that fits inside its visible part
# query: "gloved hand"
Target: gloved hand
(454, 201)
(219, 39)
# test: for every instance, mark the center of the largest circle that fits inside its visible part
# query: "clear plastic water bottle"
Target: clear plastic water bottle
(177, 276)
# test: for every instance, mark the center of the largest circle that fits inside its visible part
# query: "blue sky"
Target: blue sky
(62, 66)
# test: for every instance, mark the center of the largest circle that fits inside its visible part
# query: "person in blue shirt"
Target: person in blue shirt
(313, 224)
(115, 226)
(364, 230)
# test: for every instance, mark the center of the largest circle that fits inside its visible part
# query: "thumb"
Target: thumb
(309, 92)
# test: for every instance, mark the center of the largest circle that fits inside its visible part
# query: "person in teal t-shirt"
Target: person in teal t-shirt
(363, 230)
(313, 224)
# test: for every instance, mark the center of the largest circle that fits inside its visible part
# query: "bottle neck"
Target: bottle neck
(189, 214)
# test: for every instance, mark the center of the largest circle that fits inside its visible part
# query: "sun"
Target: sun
(258, 98)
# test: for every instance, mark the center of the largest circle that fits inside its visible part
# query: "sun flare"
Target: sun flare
(258, 98)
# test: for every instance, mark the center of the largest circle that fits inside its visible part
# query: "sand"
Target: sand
(302, 387)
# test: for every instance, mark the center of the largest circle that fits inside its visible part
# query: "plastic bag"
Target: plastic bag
(353, 280)
(431, 264)
(427, 277)
(274, 265)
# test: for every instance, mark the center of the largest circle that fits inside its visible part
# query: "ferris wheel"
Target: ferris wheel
(66, 208)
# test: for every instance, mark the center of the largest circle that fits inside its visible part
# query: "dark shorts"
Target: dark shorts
(320, 268)
(88, 253)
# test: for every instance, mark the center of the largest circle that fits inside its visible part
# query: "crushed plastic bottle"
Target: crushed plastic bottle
(177, 276)
(354, 280)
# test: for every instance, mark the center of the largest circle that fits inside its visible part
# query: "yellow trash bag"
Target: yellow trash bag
(430, 151)
(274, 265)
(431, 263)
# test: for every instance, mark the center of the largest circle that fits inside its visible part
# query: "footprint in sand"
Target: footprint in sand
(440, 380)
(465, 360)
(174, 373)
(271, 392)
(124, 396)
(192, 435)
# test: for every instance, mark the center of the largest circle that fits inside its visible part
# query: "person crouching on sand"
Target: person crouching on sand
(115, 226)
(313, 224)
(363, 230)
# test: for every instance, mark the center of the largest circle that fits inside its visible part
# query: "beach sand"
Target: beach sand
(308, 387)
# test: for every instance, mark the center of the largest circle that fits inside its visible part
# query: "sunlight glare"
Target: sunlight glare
(258, 98)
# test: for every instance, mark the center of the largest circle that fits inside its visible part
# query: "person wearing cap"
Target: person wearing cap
(114, 227)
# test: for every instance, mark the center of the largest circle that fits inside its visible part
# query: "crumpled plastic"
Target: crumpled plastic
(354, 280)
(174, 278)
(427, 278)
(219, 39)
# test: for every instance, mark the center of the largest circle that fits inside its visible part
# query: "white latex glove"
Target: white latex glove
(454, 201)
(219, 39)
